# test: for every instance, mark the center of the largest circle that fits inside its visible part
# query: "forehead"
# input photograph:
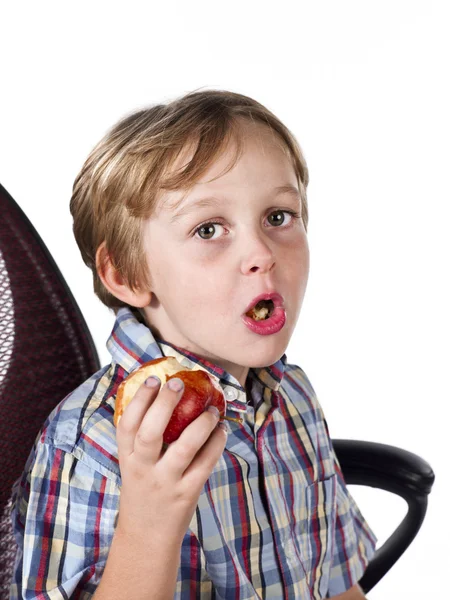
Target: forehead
(258, 142)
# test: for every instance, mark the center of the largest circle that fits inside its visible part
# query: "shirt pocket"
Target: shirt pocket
(316, 532)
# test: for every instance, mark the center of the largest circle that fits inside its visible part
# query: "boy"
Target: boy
(187, 213)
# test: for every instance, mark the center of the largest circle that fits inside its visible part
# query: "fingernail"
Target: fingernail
(175, 384)
(152, 381)
(224, 427)
(214, 411)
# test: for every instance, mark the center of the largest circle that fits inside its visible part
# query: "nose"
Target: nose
(258, 255)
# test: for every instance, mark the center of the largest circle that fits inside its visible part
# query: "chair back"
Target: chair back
(399, 472)
(46, 351)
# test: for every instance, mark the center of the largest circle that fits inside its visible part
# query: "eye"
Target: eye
(209, 227)
(280, 218)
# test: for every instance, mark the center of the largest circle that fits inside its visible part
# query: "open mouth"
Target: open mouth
(261, 311)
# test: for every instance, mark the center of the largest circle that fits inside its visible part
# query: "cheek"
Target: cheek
(304, 257)
(206, 283)
(295, 266)
(207, 266)
(302, 248)
(296, 253)
(190, 282)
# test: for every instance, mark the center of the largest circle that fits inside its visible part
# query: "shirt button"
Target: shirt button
(230, 393)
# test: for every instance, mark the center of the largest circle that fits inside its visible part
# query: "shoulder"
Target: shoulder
(304, 412)
(82, 423)
(297, 387)
(294, 374)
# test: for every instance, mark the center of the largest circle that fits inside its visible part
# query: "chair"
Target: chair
(46, 351)
(37, 310)
(394, 470)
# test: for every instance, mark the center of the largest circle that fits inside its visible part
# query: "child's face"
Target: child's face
(204, 281)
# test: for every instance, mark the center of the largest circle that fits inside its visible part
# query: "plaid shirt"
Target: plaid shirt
(274, 520)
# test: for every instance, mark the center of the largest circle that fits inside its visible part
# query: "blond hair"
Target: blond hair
(128, 170)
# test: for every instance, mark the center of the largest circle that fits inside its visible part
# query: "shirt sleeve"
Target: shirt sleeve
(63, 518)
(354, 542)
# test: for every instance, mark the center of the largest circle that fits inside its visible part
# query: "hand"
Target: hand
(161, 485)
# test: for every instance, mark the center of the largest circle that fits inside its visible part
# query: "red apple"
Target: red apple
(200, 391)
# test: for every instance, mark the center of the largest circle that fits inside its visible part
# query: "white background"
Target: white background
(364, 88)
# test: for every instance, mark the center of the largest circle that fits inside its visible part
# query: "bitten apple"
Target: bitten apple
(200, 391)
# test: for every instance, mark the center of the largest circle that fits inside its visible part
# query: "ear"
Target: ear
(114, 282)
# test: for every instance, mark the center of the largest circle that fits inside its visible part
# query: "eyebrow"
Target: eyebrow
(212, 201)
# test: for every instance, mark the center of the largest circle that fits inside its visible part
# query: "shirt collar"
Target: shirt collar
(132, 343)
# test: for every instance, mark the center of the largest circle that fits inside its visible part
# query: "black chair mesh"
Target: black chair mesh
(46, 351)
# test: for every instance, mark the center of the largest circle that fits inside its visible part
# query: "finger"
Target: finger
(203, 464)
(133, 414)
(182, 452)
(149, 438)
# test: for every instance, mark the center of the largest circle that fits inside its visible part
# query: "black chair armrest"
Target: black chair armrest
(394, 470)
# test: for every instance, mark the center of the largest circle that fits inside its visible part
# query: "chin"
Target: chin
(265, 357)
